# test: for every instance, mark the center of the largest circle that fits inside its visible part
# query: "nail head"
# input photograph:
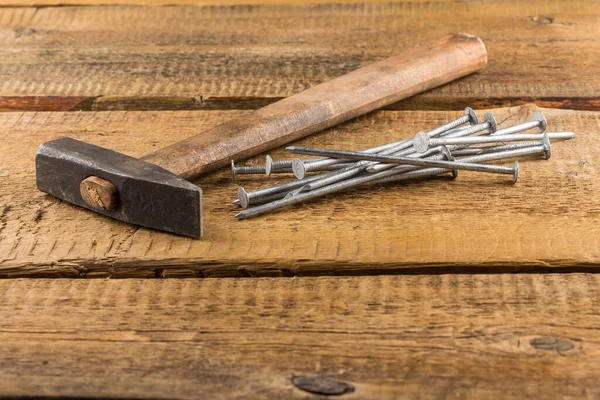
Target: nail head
(547, 146)
(489, 118)
(472, 116)
(298, 168)
(538, 116)
(232, 171)
(243, 197)
(446, 152)
(421, 142)
(268, 165)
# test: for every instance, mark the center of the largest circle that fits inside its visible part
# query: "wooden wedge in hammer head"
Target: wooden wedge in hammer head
(154, 192)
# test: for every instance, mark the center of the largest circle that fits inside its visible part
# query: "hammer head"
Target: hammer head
(145, 195)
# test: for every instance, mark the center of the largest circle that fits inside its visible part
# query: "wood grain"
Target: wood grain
(549, 219)
(425, 337)
(17, 3)
(194, 57)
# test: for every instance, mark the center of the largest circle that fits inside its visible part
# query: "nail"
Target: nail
(286, 165)
(245, 170)
(244, 202)
(387, 159)
(493, 149)
(301, 167)
(360, 166)
(489, 123)
(271, 165)
(429, 172)
(469, 116)
(426, 142)
(284, 169)
(392, 174)
(467, 152)
(341, 175)
(376, 167)
(537, 121)
(246, 198)
(449, 157)
(543, 147)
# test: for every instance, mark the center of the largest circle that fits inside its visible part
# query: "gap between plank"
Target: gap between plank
(171, 103)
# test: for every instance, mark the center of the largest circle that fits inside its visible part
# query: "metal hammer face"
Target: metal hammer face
(143, 193)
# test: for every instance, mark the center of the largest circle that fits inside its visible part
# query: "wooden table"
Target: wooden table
(472, 288)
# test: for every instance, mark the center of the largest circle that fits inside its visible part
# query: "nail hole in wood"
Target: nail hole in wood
(551, 344)
(322, 385)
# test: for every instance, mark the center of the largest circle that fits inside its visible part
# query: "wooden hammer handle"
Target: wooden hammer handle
(325, 105)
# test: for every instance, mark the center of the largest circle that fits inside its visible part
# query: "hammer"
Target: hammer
(154, 191)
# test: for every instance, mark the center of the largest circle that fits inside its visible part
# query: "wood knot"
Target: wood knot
(19, 31)
(99, 193)
(542, 19)
(322, 385)
(464, 37)
(549, 343)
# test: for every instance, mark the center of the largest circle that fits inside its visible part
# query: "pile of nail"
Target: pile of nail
(453, 146)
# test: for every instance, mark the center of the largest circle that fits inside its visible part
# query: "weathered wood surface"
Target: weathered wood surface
(35, 3)
(98, 58)
(427, 337)
(549, 219)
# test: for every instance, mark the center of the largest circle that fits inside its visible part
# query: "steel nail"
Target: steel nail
(246, 198)
(245, 170)
(301, 167)
(387, 159)
(488, 124)
(469, 116)
(425, 142)
(429, 172)
(467, 152)
(360, 166)
(376, 167)
(392, 174)
(257, 200)
(544, 147)
(271, 165)
(422, 140)
(286, 165)
(538, 121)
(492, 149)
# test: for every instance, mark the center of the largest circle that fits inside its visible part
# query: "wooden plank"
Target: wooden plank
(549, 219)
(37, 3)
(192, 57)
(427, 337)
